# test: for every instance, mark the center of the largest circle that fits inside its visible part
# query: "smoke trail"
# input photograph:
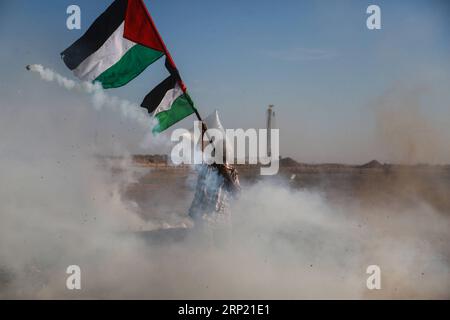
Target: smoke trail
(100, 99)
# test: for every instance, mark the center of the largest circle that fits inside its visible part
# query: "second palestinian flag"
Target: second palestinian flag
(119, 45)
(168, 103)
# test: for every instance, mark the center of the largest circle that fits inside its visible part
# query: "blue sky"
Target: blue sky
(315, 60)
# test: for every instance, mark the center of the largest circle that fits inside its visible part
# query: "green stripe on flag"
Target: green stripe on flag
(128, 67)
(180, 109)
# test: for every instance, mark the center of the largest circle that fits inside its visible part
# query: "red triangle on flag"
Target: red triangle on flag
(139, 26)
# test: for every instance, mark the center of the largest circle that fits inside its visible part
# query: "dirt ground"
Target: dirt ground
(378, 185)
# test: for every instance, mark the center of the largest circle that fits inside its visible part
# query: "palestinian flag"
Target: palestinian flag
(168, 103)
(119, 45)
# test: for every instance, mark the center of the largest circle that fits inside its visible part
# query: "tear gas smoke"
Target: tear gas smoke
(61, 205)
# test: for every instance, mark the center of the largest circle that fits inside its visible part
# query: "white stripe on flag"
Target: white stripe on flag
(104, 58)
(169, 99)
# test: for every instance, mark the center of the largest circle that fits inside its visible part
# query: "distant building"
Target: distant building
(270, 126)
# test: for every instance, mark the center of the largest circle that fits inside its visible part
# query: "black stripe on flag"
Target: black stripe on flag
(154, 98)
(97, 34)
(172, 70)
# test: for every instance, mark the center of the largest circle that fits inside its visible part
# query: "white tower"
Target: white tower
(270, 125)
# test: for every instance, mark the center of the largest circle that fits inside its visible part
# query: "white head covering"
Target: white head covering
(213, 122)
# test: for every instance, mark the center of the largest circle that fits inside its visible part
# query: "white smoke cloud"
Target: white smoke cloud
(60, 204)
